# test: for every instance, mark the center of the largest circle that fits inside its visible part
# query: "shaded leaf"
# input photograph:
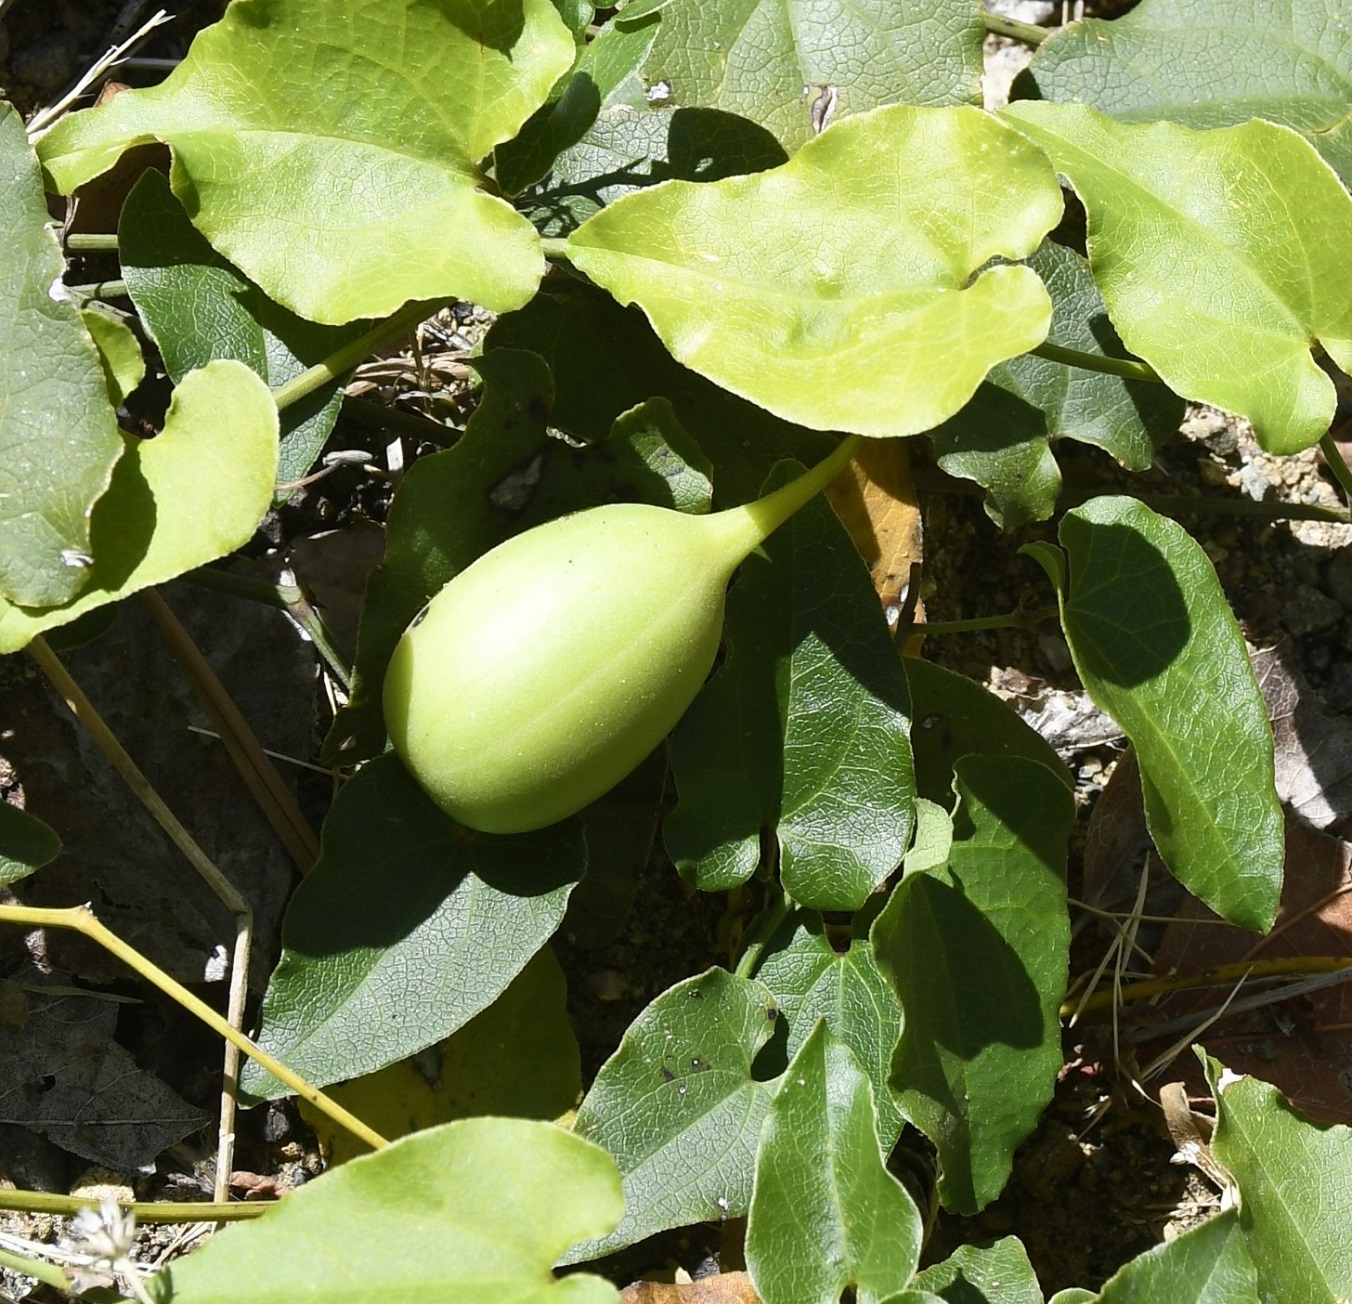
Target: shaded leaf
(677, 1107)
(1295, 1190)
(824, 289)
(190, 495)
(58, 436)
(1218, 255)
(813, 981)
(825, 1212)
(773, 60)
(407, 927)
(955, 717)
(63, 1076)
(196, 307)
(802, 733)
(1002, 439)
(1157, 646)
(1211, 63)
(999, 1274)
(26, 844)
(517, 1059)
(1208, 1265)
(977, 951)
(124, 366)
(338, 204)
(489, 1224)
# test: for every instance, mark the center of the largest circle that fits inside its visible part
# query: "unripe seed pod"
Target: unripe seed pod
(547, 670)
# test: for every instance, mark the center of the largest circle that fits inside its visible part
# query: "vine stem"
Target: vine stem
(166, 1211)
(341, 361)
(39, 1269)
(81, 919)
(1124, 367)
(1028, 33)
(977, 623)
(1337, 463)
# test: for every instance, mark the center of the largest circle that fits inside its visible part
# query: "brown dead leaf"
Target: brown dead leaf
(724, 1288)
(875, 500)
(1302, 1044)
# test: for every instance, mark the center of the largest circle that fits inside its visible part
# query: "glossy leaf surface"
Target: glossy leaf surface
(977, 951)
(1219, 256)
(1212, 63)
(793, 65)
(1157, 646)
(489, 1225)
(335, 191)
(58, 436)
(802, 733)
(190, 495)
(677, 1107)
(406, 928)
(825, 1212)
(824, 289)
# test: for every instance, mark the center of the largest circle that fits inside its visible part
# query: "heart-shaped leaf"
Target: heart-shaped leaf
(1220, 256)
(842, 290)
(58, 435)
(825, 1212)
(190, 495)
(1211, 63)
(406, 928)
(474, 1212)
(794, 65)
(1157, 646)
(677, 1107)
(351, 189)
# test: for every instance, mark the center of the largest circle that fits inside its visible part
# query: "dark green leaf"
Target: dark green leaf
(678, 1109)
(994, 1274)
(1002, 438)
(1157, 646)
(58, 435)
(26, 844)
(812, 980)
(407, 927)
(977, 951)
(774, 61)
(802, 734)
(1208, 1265)
(196, 307)
(1211, 63)
(825, 1212)
(1295, 1190)
(955, 717)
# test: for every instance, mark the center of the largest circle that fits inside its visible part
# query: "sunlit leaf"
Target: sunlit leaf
(353, 188)
(827, 289)
(1219, 255)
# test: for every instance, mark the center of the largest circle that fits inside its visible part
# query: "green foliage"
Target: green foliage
(784, 221)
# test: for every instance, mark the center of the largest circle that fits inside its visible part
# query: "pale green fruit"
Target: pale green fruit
(546, 671)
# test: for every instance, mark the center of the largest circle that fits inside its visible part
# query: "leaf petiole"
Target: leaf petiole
(1124, 367)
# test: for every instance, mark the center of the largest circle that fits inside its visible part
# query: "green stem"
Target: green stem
(1015, 620)
(100, 290)
(341, 361)
(379, 416)
(554, 246)
(1124, 367)
(88, 243)
(284, 597)
(1028, 33)
(1337, 464)
(173, 1211)
(764, 927)
(47, 1273)
(770, 512)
